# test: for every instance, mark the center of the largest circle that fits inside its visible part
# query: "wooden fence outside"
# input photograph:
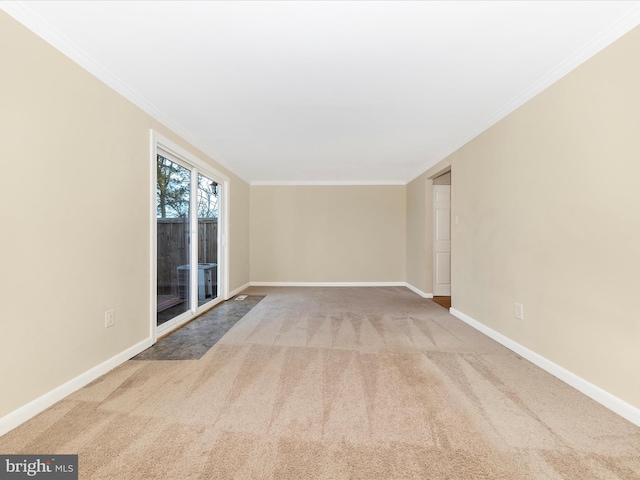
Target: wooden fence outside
(173, 249)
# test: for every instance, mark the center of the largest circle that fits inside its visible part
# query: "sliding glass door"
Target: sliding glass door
(208, 191)
(188, 239)
(173, 254)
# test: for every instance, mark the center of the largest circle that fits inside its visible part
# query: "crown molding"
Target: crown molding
(620, 27)
(21, 12)
(261, 183)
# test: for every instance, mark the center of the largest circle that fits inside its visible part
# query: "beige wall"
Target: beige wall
(75, 219)
(239, 235)
(328, 233)
(419, 261)
(549, 216)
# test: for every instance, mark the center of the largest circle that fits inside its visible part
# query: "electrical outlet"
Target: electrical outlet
(519, 311)
(109, 318)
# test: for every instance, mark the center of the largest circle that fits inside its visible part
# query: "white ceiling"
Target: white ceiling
(336, 91)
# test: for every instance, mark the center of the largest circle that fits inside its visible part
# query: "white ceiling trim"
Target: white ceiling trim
(617, 30)
(325, 183)
(50, 35)
(22, 13)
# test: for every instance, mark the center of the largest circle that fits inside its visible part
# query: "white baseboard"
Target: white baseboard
(592, 391)
(31, 409)
(418, 291)
(343, 284)
(238, 290)
(328, 284)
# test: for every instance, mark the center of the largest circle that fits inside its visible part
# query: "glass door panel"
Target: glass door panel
(173, 237)
(207, 209)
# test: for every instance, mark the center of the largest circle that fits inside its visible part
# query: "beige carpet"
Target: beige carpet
(337, 383)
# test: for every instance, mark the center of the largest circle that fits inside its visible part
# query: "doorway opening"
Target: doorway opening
(442, 239)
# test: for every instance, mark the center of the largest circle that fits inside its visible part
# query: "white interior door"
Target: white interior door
(442, 240)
